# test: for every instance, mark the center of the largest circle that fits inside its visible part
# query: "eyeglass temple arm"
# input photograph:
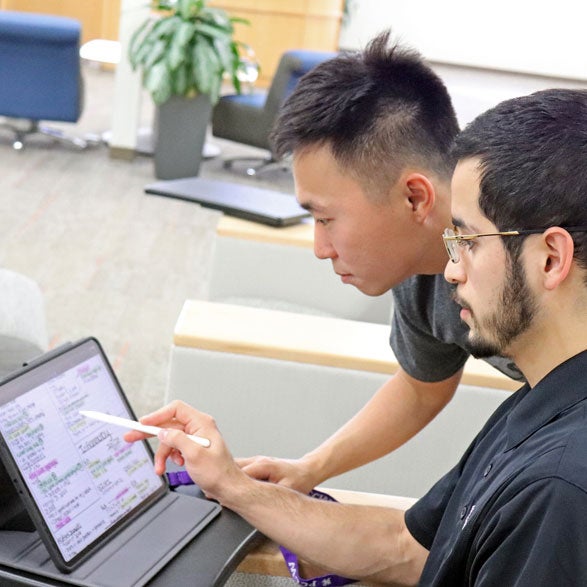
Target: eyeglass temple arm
(468, 237)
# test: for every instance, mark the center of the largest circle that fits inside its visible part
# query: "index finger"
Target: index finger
(135, 435)
(176, 411)
(244, 461)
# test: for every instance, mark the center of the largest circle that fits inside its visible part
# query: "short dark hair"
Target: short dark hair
(533, 156)
(378, 110)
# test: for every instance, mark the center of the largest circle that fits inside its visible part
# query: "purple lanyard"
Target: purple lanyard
(291, 560)
(177, 478)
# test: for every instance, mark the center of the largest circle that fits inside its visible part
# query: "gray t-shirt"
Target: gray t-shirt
(428, 337)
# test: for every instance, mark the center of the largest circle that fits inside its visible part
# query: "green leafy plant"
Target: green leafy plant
(186, 48)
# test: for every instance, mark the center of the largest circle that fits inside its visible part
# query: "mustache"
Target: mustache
(458, 300)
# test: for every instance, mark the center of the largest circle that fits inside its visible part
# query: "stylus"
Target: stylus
(134, 425)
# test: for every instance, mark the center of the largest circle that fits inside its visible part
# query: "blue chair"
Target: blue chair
(40, 73)
(248, 118)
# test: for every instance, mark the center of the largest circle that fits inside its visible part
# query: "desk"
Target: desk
(207, 561)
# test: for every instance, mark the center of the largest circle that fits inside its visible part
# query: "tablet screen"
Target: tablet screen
(79, 475)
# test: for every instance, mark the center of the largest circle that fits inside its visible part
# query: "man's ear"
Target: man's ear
(420, 195)
(558, 249)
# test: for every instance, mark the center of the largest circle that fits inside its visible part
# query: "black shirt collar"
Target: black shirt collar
(562, 388)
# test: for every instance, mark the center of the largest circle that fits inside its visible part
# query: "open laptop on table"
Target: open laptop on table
(102, 516)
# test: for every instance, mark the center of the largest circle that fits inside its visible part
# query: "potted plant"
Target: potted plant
(184, 50)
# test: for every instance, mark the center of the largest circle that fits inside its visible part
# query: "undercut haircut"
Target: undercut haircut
(533, 158)
(378, 110)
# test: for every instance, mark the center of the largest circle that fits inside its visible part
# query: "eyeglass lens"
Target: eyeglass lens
(451, 245)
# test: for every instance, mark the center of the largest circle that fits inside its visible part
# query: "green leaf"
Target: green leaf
(236, 83)
(214, 59)
(224, 52)
(204, 66)
(215, 90)
(157, 52)
(141, 53)
(238, 19)
(139, 37)
(217, 17)
(179, 45)
(166, 26)
(212, 31)
(181, 79)
(158, 83)
(184, 8)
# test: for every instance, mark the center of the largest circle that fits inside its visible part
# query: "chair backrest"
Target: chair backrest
(293, 65)
(40, 66)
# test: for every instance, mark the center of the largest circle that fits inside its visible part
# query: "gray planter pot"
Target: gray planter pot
(180, 127)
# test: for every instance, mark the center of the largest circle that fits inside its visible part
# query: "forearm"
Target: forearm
(357, 541)
(398, 411)
(360, 541)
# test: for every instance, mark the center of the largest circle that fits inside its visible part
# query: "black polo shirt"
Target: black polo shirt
(514, 510)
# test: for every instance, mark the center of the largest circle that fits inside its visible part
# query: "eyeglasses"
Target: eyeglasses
(452, 240)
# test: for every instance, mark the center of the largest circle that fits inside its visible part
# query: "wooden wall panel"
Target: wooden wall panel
(99, 18)
(278, 26)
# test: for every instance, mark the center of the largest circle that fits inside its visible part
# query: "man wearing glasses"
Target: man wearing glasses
(513, 511)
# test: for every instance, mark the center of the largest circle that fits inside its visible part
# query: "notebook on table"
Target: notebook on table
(102, 517)
(243, 201)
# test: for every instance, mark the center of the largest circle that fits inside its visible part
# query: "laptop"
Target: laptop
(243, 201)
(100, 514)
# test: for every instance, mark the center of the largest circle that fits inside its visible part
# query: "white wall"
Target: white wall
(527, 36)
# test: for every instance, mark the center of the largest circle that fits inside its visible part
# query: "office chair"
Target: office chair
(248, 118)
(40, 73)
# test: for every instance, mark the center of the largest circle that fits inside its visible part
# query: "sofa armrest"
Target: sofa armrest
(318, 340)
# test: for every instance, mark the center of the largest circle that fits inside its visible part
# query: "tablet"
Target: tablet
(80, 481)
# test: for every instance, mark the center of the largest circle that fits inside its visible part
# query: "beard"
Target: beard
(493, 335)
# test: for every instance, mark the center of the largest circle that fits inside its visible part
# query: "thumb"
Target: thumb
(257, 470)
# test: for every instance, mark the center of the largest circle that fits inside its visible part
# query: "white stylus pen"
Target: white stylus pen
(134, 425)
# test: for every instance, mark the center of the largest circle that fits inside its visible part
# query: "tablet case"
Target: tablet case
(131, 557)
(243, 201)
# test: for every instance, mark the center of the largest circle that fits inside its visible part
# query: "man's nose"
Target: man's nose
(454, 272)
(323, 248)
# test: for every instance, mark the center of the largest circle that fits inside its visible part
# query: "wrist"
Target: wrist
(241, 495)
(315, 465)
(232, 488)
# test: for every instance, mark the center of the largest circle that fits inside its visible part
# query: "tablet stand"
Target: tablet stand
(13, 514)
